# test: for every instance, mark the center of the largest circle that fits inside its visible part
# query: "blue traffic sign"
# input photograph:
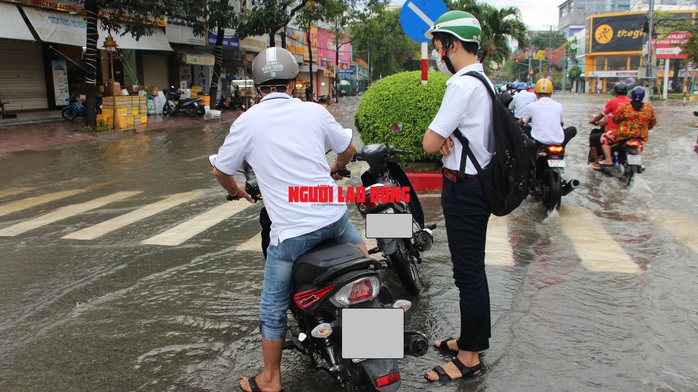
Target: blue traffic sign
(418, 16)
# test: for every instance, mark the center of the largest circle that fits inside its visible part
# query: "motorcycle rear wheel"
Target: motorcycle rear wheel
(200, 111)
(552, 191)
(69, 114)
(406, 268)
(628, 176)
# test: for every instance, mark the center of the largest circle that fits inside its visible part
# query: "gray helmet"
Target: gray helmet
(621, 88)
(274, 63)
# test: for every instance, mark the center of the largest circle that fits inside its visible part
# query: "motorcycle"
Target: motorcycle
(626, 160)
(76, 108)
(224, 104)
(329, 278)
(548, 184)
(192, 107)
(403, 255)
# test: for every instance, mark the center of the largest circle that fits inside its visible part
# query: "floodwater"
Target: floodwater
(124, 269)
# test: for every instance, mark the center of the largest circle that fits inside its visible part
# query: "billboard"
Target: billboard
(617, 33)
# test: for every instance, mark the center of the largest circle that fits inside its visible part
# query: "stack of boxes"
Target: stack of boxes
(131, 110)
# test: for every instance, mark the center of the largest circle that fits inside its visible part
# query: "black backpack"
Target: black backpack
(508, 176)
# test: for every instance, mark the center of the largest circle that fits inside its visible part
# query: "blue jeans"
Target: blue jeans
(276, 290)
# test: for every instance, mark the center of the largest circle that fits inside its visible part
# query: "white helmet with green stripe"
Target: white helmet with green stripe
(461, 24)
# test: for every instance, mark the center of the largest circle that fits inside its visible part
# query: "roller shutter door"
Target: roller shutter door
(22, 77)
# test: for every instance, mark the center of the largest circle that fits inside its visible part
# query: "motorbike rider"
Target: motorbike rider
(634, 119)
(285, 129)
(521, 99)
(465, 106)
(604, 120)
(545, 117)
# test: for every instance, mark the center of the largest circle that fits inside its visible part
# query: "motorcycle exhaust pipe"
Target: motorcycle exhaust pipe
(416, 344)
(569, 186)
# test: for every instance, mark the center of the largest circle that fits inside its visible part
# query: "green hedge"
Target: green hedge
(401, 97)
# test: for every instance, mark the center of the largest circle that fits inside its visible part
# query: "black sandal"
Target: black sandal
(443, 346)
(464, 371)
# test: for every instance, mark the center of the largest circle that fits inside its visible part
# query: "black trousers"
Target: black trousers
(466, 214)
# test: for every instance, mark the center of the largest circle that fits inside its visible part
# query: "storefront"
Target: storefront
(22, 70)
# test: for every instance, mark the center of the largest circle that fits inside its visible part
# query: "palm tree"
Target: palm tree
(498, 27)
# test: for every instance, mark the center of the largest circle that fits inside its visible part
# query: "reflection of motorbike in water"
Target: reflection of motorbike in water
(695, 147)
(548, 184)
(329, 278)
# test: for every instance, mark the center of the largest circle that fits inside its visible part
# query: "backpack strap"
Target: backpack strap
(463, 140)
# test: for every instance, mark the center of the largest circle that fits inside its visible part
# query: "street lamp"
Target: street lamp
(110, 47)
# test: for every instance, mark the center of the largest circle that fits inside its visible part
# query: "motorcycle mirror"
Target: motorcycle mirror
(212, 159)
(397, 127)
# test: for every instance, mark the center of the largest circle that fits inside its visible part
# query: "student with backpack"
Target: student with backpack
(466, 106)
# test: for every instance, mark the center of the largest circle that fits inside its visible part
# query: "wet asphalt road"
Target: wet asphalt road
(597, 297)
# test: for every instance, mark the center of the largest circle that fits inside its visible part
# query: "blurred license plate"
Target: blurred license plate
(634, 160)
(556, 163)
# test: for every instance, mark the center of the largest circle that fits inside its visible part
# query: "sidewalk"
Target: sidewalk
(35, 130)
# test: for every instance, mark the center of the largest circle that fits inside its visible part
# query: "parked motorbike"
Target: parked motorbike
(76, 108)
(548, 184)
(626, 160)
(329, 278)
(224, 104)
(403, 255)
(188, 106)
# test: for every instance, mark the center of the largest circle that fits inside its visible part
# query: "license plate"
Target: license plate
(556, 163)
(634, 160)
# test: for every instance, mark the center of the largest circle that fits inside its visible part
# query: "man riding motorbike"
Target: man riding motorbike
(604, 121)
(546, 117)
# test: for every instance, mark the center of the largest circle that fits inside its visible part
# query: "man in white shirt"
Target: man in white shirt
(545, 117)
(522, 98)
(284, 139)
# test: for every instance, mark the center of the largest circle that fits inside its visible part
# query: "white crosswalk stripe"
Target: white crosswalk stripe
(597, 250)
(180, 233)
(498, 250)
(13, 191)
(103, 228)
(63, 213)
(679, 225)
(30, 202)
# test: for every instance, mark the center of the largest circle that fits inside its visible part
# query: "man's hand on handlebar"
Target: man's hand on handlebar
(338, 172)
(240, 194)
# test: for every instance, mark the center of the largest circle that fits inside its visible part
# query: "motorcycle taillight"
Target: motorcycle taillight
(360, 290)
(388, 379)
(306, 299)
(555, 150)
(369, 206)
(634, 143)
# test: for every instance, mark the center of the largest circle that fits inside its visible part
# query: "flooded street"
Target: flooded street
(123, 268)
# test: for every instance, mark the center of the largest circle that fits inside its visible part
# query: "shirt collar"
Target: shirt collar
(275, 95)
(472, 67)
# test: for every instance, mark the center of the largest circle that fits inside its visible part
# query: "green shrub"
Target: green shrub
(401, 97)
(101, 127)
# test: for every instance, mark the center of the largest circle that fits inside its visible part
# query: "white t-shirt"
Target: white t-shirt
(521, 99)
(545, 117)
(466, 105)
(284, 141)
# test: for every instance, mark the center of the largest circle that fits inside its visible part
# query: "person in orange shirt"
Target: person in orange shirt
(604, 120)
(634, 119)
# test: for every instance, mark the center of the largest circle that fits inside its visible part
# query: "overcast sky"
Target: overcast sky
(537, 14)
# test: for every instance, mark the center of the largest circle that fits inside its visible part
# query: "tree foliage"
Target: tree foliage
(547, 40)
(382, 35)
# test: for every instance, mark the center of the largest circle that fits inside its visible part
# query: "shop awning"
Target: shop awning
(64, 28)
(12, 25)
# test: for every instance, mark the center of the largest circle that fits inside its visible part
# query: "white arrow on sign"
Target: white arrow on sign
(674, 50)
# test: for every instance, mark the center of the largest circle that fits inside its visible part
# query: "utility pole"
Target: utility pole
(649, 45)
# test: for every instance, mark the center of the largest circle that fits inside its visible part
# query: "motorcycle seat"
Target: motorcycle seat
(328, 260)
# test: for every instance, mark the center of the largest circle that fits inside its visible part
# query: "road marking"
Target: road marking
(180, 233)
(594, 246)
(13, 191)
(103, 228)
(64, 212)
(498, 249)
(253, 244)
(679, 225)
(35, 201)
